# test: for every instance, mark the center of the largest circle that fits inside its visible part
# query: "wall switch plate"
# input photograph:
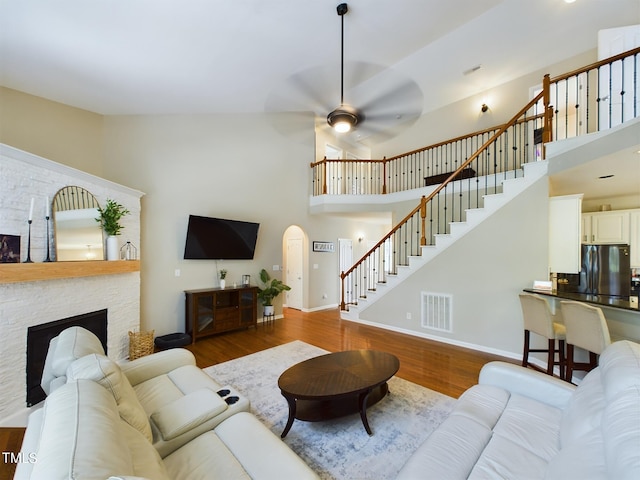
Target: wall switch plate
(176, 272)
(275, 268)
(408, 315)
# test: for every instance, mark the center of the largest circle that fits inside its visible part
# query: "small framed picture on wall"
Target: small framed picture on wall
(323, 246)
(9, 248)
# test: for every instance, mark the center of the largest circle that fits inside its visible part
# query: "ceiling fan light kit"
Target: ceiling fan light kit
(342, 119)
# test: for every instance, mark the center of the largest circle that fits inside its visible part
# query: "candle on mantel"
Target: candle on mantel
(47, 209)
(31, 209)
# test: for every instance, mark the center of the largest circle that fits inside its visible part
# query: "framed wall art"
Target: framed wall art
(9, 248)
(323, 247)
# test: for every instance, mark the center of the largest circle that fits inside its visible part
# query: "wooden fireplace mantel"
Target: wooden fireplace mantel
(33, 272)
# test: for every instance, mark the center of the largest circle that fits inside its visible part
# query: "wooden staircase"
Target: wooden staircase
(510, 188)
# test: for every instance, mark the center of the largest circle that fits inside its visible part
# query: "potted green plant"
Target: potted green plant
(109, 220)
(223, 275)
(270, 289)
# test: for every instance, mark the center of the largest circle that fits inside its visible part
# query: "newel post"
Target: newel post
(384, 175)
(324, 175)
(547, 128)
(423, 216)
(343, 306)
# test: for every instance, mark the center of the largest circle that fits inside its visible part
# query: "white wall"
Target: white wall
(234, 167)
(484, 271)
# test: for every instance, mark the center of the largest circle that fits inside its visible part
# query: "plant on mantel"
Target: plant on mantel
(110, 217)
(109, 220)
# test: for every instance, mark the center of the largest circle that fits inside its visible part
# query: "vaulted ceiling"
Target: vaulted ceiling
(206, 56)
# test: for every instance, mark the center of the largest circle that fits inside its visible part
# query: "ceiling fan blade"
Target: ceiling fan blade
(309, 90)
(398, 97)
(298, 126)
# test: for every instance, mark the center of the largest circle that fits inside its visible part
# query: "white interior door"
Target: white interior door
(294, 273)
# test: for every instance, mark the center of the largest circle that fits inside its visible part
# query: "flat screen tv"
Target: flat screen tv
(220, 239)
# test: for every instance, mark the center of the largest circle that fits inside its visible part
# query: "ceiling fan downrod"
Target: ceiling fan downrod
(343, 118)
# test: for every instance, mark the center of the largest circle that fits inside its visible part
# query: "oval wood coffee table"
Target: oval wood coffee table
(336, 384)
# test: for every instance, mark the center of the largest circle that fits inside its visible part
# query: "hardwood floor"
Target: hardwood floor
(444, 368)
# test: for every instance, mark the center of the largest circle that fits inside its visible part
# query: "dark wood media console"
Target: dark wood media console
(216, 310)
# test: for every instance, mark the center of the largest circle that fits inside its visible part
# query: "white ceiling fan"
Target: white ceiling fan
(376, 102)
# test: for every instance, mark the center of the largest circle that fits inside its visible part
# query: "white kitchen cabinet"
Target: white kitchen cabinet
(564, 233)
(634, 238)
(606, 227)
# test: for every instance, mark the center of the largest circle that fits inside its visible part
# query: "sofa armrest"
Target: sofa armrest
(154, 365)
(187, 413)
(529, 383)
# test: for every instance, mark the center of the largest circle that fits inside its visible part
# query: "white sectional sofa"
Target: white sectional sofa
(521, 424)
(157, 417)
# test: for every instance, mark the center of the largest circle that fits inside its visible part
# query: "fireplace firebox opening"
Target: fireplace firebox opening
(38, 338)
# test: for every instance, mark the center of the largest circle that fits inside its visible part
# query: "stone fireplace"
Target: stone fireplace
(29, 303)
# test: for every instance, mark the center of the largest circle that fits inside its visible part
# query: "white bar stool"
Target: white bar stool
(587, 329)
(539, 319)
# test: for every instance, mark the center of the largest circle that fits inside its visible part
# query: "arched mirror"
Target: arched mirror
(77, 234)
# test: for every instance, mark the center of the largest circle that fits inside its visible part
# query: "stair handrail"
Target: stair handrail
(422, 206)
(595, 65)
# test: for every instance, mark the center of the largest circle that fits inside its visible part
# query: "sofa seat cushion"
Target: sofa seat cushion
(450, 452)
(203, 458)
(583, 458)
(157, 392)
(107, 373)
(453, 449)
(188, 412)
(524, 439)
(240, 447)
(532, 425)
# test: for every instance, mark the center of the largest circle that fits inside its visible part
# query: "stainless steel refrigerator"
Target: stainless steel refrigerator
(605, 271)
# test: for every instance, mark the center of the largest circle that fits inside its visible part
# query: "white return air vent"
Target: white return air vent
(436, 311)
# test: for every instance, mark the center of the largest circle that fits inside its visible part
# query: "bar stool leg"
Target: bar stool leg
(551, 357)
(525, 350)
(569, 372)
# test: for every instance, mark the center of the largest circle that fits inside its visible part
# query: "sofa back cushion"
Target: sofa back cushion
(620, 365)
(584, 410)
(107, 373)
(73, 343)
(80, 436)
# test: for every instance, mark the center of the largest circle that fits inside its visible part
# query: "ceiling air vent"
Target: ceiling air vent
(436, 311)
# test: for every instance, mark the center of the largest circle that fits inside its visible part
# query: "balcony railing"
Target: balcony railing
(465, 169)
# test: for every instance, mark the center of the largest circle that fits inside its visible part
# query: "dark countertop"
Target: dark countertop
(601, 300)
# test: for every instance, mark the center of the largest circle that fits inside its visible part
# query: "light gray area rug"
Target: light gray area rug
(340, 448)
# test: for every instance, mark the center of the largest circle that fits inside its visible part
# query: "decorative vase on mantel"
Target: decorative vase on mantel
(113, 252)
